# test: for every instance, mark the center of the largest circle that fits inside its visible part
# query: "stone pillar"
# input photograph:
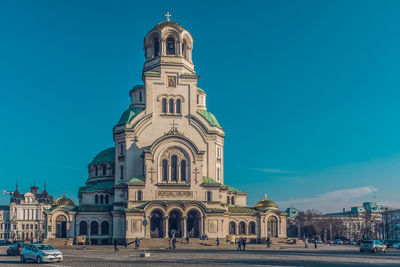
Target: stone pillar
(184, 218)
(166, 227)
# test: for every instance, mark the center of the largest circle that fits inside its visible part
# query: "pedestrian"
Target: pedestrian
(306, 243)
(136, 243)
(217, 242)
(170, 242)
(315, 243)
(268, 242)
(244, 244)
(239, 244)
(125, 243)
(187, 239)
(174, 243)
(115, 246)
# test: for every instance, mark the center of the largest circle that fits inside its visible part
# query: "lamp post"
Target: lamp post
(145, 254)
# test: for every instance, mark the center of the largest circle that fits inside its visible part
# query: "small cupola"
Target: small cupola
(266, 204)
(168, 44)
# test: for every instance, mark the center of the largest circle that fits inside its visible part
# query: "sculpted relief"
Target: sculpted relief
(174, 194)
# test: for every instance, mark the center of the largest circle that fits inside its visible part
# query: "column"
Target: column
(201, 225)
(184, 218)
(166, 226)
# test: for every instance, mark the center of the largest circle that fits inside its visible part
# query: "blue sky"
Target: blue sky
(307, 92)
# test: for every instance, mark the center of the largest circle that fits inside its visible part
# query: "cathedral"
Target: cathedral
(167, 165)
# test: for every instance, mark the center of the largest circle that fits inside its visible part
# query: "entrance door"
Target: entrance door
(273, 227)
(61, 227)
(193, 223)
(175, 224)
(156, 224)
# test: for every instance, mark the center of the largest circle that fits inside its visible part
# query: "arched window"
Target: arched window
(170, 46)
(106, 199)
(164, 105)
(113, 169)
(104, 170)
(232, 228)
(174, 168)
(183, 170)
(101, 199)
(94, 228)
(121, 149)
(105, 228)
(218, 173)
(178, 106)
(233, 200)
(209, 196)
(242, 228)
(140, 96)
(228, 200)
(252, 228)
(156, 47)
(165, 170)
(197, 99)
(83, 228)
(139, 195)
(96, 199)
(121, 168)
(171, 106)
(96, 171)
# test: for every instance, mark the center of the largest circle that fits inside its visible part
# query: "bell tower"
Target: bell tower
(168, 46)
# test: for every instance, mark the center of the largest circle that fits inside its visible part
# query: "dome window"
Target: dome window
(171, 106)
(104, 170)
(164, 105)
(165, 170)
(178, 106)
(170, 46)
(156, 47)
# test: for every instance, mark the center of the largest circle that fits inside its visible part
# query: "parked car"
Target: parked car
(353, 243)
(389, 243)
(338, 242)
(5, 243)
(15, 249)
(373, 246)
(330, 242)
(41, 253)
(396, 245)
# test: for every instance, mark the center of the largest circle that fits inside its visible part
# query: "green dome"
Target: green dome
(107, 155)
(209, 117)
(138, 86)
(129, 115)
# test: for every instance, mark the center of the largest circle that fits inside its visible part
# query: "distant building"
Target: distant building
(362, 221)
(391, 220)
(26, 217)
(4, 222)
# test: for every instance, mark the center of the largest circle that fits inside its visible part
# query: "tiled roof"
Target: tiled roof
(107, 155)
(105, 186)
(138, 86)
(209, 181)
(232, 189)
(140, 180)
(201, 90)
(129, 115)
(238, 209)
(209, 117)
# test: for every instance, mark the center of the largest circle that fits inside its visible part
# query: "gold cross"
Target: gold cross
(167, 15)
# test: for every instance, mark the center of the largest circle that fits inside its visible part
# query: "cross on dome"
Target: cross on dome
(168, 15)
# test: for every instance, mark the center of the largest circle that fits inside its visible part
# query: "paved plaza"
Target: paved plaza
(256, 255)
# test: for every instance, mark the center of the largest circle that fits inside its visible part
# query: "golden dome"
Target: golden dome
(266, 204)
(63, 201)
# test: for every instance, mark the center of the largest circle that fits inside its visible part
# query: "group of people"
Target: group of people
(306, 243)
(242, 242)
(125, 243)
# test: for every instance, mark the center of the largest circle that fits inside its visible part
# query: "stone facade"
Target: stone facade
(167, 165)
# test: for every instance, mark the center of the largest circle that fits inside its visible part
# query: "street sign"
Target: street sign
(144, 222)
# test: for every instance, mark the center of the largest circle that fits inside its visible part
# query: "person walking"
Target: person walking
(315, 243)
(268, 242)
(174, 243)
(115, 246)
(217, 242)
(187, 239)
(305, 243)
(239, 244)
(125, 243)
(244, 244)
(170, 243)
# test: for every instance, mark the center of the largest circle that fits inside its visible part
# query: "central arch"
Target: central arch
(175, 223)
(61, 227)
(193, 223)
(157, 224)
(273, 227)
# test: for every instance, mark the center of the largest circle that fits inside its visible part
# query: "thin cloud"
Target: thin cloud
(331, 201)
(275, 171)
